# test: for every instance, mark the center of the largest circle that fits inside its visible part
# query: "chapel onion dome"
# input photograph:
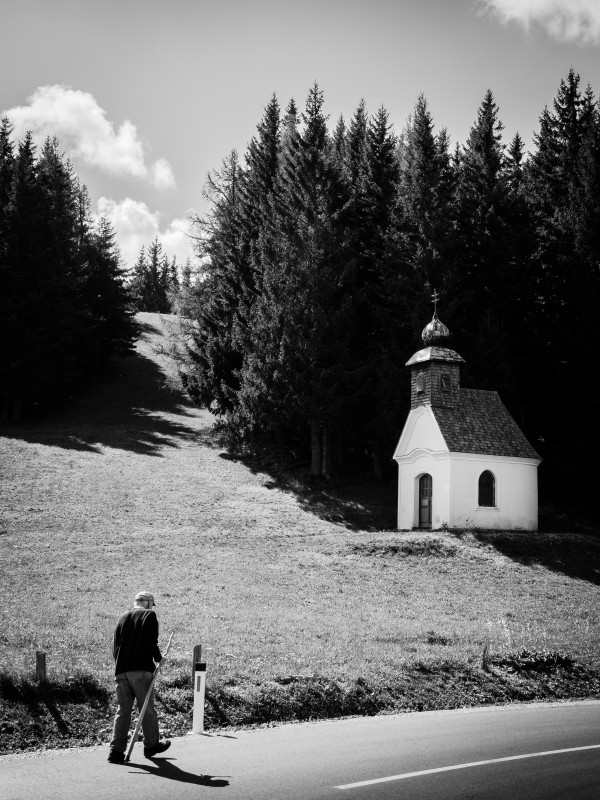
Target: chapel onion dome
(435, 332)
(435, 336)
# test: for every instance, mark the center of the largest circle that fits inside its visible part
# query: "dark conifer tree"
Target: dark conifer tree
(562, 191)
(28, 370)
(370, 268)
(426, 227)
(259, 181)
(299, 351)
(111, 328)
(261, 410)
(320, 255)
(186, 300)
(319, 359)
(340, 143)
(55, 315)
(383, 401)
(138, 279)
(60, 280)
(257, 200)
(151, 281)
(212, 377)
(7, 162)
(173, 276)
(489, 265)
(515, 158)
(8, 276)
(481, 196)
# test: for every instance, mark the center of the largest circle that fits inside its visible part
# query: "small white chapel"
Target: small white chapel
(462, 459)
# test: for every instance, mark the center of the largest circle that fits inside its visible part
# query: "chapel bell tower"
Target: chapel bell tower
(435, 370)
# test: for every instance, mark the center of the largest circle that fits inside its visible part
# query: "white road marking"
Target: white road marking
(465, 766)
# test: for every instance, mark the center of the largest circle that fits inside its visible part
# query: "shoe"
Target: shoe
(159, 747)
(116, 757)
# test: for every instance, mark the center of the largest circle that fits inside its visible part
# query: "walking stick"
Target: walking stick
(146, 701)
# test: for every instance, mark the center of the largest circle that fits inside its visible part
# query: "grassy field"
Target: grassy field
(129, 488)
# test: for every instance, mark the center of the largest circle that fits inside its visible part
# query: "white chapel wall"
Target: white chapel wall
(455, 482)
(516, 493)
(421, 450)
(421, 432)
(410, 470)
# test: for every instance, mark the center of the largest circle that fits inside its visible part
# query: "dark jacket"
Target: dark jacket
(135, 644)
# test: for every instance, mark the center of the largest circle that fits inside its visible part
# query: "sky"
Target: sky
(147, 96)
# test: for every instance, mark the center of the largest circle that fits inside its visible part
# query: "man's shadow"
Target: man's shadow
(163, 768)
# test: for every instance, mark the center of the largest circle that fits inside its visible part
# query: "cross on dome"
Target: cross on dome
(435, 333)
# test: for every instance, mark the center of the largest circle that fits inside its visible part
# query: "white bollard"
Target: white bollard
(199, 690)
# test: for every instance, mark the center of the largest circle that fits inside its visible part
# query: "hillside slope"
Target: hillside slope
(128, 488)
(129, 477)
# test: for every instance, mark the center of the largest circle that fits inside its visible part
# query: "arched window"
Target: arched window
(487, 489)
(420, 382)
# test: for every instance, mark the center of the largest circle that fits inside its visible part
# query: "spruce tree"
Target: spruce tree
(489, 263)
(66, 318)
(426, 232)
(152, 280)
(8, 277)
(318, 359)
(214, 359)
(28, 371)
(298, 352)
(561, 180)
(61, 305)
(382, 403)
(108, 302)
(261, 411)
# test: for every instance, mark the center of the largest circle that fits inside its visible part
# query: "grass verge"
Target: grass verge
(80, 711)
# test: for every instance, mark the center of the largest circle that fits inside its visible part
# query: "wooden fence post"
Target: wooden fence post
(485, 658)
(40, 666)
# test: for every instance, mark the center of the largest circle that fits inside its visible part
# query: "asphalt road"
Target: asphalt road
(503, 753)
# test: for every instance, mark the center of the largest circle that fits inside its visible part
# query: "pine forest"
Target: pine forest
(65, 309)
(322, 247)
(316, 261)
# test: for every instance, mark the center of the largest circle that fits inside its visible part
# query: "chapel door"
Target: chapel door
(425, 486)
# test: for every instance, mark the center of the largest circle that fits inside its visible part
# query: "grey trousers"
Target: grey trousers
(134, 686)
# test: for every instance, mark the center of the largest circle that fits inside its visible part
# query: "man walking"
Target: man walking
(135, 650)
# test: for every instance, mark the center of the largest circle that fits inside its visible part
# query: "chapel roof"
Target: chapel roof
(434, 353)
(480, 423)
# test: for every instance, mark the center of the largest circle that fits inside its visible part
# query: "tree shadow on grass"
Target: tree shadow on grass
(361, 504)
(573, 554)
(163, 768)
(132, 408)
(358, 506)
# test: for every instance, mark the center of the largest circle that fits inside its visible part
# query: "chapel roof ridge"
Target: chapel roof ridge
(481, 424)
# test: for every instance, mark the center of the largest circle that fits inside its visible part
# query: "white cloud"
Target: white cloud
(136, 227)
(85, 133)
(162, 174)
(176, 240)
(565, 20)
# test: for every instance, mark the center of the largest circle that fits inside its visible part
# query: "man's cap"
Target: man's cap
(145, 596)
